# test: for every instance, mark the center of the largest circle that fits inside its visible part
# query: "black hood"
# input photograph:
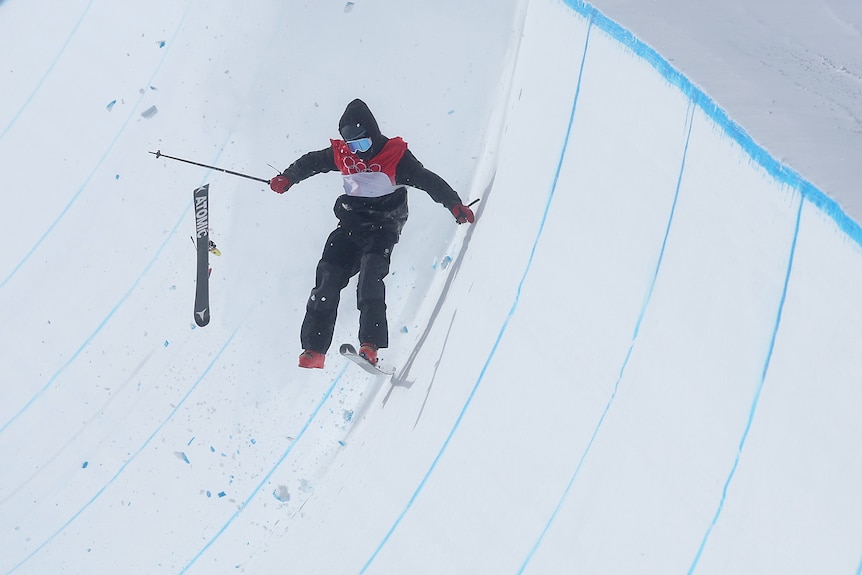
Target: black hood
(357, 121)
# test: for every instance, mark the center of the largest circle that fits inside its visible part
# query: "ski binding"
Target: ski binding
(348, 351)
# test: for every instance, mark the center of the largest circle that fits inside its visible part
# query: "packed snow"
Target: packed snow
(641, 358)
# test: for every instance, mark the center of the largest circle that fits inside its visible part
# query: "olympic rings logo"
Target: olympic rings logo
(352, 165)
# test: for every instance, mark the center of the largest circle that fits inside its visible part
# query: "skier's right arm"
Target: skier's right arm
(306, 166)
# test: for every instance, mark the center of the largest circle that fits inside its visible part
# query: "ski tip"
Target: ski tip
(346, 348)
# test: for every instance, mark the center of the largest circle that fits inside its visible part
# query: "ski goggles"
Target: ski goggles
(360, 145)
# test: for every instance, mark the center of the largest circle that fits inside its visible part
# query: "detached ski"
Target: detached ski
(349, 352)
(202, 288)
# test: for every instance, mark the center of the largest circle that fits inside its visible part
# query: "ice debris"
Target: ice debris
(281, 493)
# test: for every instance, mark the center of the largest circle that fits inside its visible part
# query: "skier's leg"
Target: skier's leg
(333, 272)
(371, 290)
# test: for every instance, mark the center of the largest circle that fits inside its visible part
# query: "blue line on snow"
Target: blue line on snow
(132, 458)
(757, 153)
(47, 72)
(104, 322)
(503, 329)
(689, 121)
(266, 477)
(118, 305)
(98, 329)
(757, 392)
(84, 185)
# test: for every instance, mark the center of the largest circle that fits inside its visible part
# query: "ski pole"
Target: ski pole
(159, 154)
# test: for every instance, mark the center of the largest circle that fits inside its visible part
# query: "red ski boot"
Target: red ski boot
(368, 351)
(311, 359)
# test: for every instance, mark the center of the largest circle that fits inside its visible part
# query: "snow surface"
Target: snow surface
(642, 358)
(789, 72)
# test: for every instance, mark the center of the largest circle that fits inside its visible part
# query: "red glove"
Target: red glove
(463, 214)
(280, 184)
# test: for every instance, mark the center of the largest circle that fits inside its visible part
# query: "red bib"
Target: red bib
(369, 178)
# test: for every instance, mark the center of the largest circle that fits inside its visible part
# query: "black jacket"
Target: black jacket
(389, 210)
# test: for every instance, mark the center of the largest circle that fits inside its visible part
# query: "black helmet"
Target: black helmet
(358, 122)
(353, 131)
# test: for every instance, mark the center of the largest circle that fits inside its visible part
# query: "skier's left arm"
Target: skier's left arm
(411, 172)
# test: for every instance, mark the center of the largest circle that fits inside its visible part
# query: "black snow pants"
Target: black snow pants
(350, 250)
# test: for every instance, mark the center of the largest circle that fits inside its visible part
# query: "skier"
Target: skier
(371, 213)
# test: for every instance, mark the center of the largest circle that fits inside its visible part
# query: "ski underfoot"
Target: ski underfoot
(348, 351)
